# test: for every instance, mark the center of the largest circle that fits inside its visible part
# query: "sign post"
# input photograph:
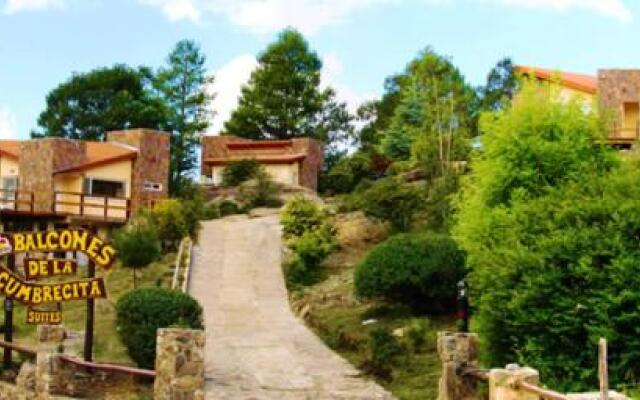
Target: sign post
(36, 295)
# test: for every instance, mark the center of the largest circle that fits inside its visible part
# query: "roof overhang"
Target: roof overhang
(97, 163)
(286, 159)
(580, 82)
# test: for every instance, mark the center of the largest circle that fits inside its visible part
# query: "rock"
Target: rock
(369, 321)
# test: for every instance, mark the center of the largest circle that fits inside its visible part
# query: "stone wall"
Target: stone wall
(179, 365)
(39, 159)
(312, 164)
(616, 87)
(151, 164)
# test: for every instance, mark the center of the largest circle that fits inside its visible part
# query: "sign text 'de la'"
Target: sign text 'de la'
(43, 268)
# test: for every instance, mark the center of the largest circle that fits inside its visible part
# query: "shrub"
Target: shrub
(420, 270)
(301, 215)
(384, 350)
(137, 244)
(211, 211)
(168, 219)
(259, 192)
(239, 171)
(141, 312)
(349, 171)
(550, 219)
(417, 333)
(193, 212)
(228, 207)
(310, 250)
(391, 200)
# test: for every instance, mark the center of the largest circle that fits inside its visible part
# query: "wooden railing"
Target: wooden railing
(16, 200)
(93, 206)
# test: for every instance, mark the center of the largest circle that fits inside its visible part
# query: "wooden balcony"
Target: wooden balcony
(624, 135)
(92, 207)
(16, 201)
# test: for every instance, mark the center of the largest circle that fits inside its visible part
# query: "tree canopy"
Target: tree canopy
(182, 84)
(90, 104)
(549, 218)
(283, 98)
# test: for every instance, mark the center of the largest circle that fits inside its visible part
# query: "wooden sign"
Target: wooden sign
(49, 316)
(95, 248)
(14, 287)
(44, 268)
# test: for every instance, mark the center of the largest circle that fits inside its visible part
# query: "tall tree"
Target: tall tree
(502, 84)
(283, 98)
(182, 84)
(89, 104)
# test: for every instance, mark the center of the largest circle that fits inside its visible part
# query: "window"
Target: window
(101, 187)
(152, 187)
(9, 186)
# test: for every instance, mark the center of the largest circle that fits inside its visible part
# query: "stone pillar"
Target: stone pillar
(502, 383)
(179, 365)
(457, 350)
(48, 364)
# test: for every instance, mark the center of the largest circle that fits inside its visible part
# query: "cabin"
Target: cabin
(293, 162)
(616, 92)
(64, 181)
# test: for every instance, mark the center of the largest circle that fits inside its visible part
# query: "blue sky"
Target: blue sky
(361, 41)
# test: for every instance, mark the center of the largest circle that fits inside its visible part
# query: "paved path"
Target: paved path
(256, 348)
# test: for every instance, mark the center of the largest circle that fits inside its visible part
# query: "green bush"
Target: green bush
(211, 211)
(141, 312)
(228, 207)
(240, 171)
(137, 244)
(384, 350)
(168, 219)
(417, 333)
(261, 191)
(310, 250)
(420, 270)
(391, 200)
(301, 215)
(349, 171)
(550, 219)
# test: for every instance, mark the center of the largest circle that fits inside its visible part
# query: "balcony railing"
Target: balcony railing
(16, 200)
(625, 134)
(91, 206)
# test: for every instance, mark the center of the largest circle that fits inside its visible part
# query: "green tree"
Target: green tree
(90, 104)
(502, 84)
(283, 98)
(435, 115)
(182, 84)
(549, 219)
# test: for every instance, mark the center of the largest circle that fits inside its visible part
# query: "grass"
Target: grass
(107, 344)
(332, 312)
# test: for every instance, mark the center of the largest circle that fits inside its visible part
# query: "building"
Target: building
(616, 92)
(74, 182)
(294, 162)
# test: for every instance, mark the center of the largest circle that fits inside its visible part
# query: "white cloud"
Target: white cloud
(227, 85)
(8, 125)
(266, 16)
(176, 10)
(610, 8)
(332, 70)
(15, 6)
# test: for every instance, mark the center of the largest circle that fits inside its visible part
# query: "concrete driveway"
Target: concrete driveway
(256, 347)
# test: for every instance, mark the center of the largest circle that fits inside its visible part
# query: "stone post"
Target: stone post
(48, 365)
(502, 383)
(457, 350)
(179, 365)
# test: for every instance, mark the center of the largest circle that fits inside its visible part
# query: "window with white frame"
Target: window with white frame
(152, 187)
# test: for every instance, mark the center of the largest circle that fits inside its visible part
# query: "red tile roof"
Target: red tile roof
(580, 82)
(10, 148)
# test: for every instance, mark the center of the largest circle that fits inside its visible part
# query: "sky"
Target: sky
(43, 42)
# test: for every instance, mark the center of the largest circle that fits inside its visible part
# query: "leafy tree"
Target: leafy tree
(549, 218)
(502, 84)
(283, 98)
(436, 113)
(376, 115)
(90, 104)
(182, 85)
(138, 245)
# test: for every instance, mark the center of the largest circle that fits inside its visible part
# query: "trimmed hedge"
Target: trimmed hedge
(141, 312)
(420, 270)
